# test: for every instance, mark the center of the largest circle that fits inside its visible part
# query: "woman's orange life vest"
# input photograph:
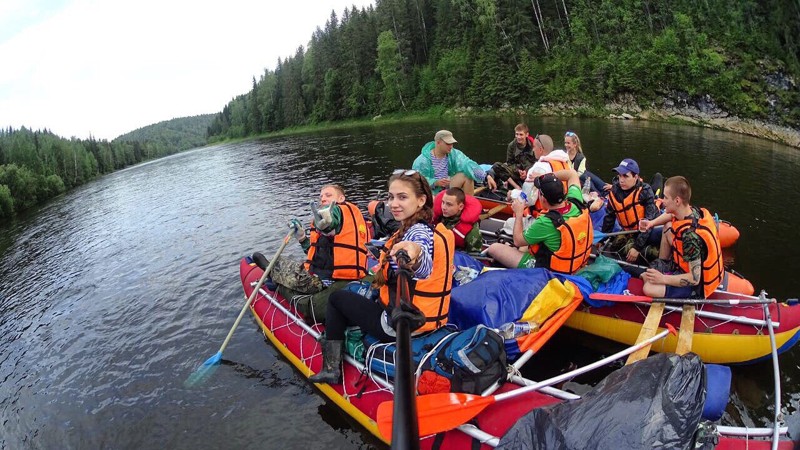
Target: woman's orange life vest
(469, 215)
(344, 255)
(577, 237)
(557, 165)
(431, 295)
(537, 209)
(630, 210)
(712, 268)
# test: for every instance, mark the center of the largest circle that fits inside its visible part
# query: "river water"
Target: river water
(111, 295)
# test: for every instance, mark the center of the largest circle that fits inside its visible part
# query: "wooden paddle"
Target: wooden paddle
(444, 411)
(492, 211)
(204, 370)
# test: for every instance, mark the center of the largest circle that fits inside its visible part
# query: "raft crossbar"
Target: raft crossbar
(493, 441)
(720, 316)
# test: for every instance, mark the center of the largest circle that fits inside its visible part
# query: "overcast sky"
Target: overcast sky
(106, 67)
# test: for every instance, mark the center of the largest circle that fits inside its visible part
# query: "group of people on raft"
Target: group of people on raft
(433, 207)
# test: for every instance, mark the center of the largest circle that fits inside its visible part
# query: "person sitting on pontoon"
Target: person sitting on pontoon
(629, 201)
(559, 240)
(690, 257)
(519, 158)
(460, 213)
(444, 166)
(336, 255)
(430, 252)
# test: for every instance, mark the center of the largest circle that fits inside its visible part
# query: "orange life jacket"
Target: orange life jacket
(344, 255)
(557, 165)
(537, 209)
(469, 215)
(712, 268)
(577, 236)
(630, 210)
(431, 295)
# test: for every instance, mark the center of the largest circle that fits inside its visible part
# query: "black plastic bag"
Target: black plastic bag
(654, 403)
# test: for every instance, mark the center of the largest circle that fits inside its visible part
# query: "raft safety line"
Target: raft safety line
(489, 439)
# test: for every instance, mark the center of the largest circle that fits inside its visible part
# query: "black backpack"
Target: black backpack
(469, 361)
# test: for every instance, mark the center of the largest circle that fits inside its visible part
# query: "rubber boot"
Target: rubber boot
(331, 364)
(262, 262)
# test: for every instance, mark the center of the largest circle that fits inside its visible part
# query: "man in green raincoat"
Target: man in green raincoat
(447, 167)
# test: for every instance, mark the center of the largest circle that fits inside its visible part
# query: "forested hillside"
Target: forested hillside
(172, 135)
(739, 57)
(38, 165)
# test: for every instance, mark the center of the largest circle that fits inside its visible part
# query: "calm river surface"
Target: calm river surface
(113, 294)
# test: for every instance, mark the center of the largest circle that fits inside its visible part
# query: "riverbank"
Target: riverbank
(671, 111)
(706, 114)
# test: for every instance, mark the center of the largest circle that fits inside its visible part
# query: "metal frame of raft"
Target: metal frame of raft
(722, 334)
(728, 435)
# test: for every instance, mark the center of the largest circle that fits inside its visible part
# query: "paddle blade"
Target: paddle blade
(204, 371)
(437, 413)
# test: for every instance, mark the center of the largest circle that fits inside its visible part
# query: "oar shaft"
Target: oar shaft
(616, 233)
(680, 301)
(581, 370)
(255, 291)
(619, 233)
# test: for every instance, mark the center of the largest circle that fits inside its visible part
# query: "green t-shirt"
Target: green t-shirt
(542, 229)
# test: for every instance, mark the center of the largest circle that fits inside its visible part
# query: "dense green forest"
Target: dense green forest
(740, 56)
(38, 165)
(172, 135)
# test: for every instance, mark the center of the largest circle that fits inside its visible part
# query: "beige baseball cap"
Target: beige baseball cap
(444, 135)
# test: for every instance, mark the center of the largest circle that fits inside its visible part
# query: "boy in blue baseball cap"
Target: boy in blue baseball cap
(629, 201)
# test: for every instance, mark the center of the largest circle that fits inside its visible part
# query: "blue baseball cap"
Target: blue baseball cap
(627, 165)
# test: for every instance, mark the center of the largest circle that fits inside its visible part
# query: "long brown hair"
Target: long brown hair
(419, 185)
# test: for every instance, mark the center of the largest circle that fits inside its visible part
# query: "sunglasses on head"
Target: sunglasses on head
(405, 172)
(536, 138)
(570, 133)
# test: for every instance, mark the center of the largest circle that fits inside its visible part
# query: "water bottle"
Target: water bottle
(587, 186)
(513, 330)
(518, 194)
(464, 275)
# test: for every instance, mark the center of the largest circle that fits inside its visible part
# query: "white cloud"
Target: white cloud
(108, 67)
